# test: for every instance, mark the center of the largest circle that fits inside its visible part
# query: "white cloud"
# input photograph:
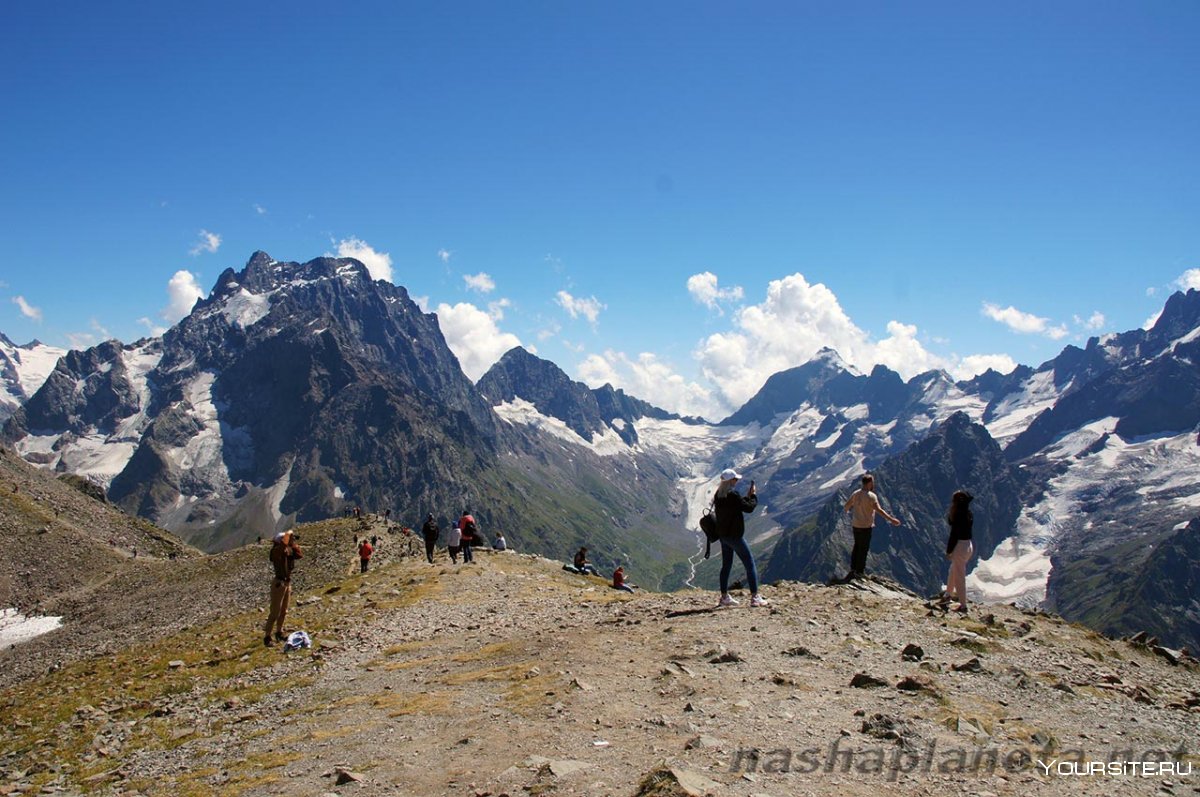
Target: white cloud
(1093, 323)
(259, 209)
(155, 330)
(703, 288)
(1152, 320)
(183, 290)
(549, 332)
(1025, 323)
(496, 309)
(794, 322)
(85, 340)
(1151, 291)
(444, 255)
(481, 282)
(422, 302)
(379, 264)
(80, 340)
(588, 308)
(975, 364)
(1188, 280)
(28, 310)
(474, 337)
(649, 379)
(209, 242)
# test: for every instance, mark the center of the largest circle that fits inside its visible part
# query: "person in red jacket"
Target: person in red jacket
(619, 580)
(364, 554)
(470, 531)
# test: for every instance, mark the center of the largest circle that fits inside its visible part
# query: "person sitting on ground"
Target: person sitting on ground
(619, 581)
(500, 544)
(582, 565)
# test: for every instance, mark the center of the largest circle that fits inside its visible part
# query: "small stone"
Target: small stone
(912, 652)
(176, 664)
(864, 681)
(345, 776)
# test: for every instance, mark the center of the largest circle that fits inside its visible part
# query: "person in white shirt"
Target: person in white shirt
(864, 506)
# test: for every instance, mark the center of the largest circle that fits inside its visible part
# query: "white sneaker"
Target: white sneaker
(726, 600)
(758, 600)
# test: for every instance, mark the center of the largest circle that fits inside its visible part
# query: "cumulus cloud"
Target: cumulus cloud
(259, 209)
(1188, 280)
(703, 288)
(588, 308)
(975, 364)
(797, 319)
(183, 289)
(85, 340)
(209, 242)
(1025, 323)
(648, 378)
(481, 282)
(444, 255)
(474, 338)
(496, 309)
(1093, 323)
(548, 332)
(422, 302)
(155, 330)
(379, 264)
(27, 309)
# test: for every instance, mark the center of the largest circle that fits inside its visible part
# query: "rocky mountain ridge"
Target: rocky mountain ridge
(297, 390)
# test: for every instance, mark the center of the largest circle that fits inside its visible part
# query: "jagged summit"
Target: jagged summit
(263, 274)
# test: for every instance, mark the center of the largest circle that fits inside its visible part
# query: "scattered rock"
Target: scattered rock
(912, 652)
(345, 776)
(918, 683)
(864, 681)
(970, 665)
(801, 652)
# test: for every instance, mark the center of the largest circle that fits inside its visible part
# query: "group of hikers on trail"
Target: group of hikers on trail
(729, 508)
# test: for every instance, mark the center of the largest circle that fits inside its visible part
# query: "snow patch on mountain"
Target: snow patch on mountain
(1100, 480)
(1015, 412)
(245, 309)
(97, 456)
(520, 411)
(23, 369)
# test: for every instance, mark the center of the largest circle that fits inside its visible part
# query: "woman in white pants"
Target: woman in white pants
(959, 548)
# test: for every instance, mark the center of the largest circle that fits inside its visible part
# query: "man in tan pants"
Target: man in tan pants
(285, 550)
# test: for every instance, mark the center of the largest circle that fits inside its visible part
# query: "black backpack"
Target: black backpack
(708, 524)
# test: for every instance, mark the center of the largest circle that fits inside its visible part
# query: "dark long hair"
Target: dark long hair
(960, 506)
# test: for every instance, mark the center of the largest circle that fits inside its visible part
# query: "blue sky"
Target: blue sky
(680, 198)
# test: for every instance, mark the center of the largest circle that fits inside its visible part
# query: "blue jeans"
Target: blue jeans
(739, 546)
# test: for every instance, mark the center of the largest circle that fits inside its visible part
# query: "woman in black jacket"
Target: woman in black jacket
(729, 506)
(959, 548)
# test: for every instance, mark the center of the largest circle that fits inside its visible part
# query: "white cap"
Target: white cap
(730, 473)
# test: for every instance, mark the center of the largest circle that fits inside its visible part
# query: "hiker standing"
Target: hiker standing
(864, 505)
(285, 550)
(453, 538)
(730, 506)
(470, 531)
(959, 548)
(365, 549)
(430, 532)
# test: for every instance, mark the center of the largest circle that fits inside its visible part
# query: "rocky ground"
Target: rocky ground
(512, 677)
